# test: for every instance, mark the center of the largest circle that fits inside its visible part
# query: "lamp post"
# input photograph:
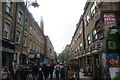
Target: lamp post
(35, 4)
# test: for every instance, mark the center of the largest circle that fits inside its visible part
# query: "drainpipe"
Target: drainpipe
(15, 29)
(0, 37)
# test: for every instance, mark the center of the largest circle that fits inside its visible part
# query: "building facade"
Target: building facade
(49, 54)
(100, 41)
(8, 31)
(23, 40)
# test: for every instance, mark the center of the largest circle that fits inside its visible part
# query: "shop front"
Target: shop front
(7, 53)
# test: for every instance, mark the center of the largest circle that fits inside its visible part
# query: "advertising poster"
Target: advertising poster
(113, 62)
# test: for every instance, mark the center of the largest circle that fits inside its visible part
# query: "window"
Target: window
(33, 46)
(30, 29)
(24, 41)
(80, 46)
(93, 9)
(95, 36)
(34, 32)
(30, 44)
(17, 36)
(37, 48)
(9, 7)
(6, 31)
(88, 39)
(80, 31)
(88, 18)
(19, 17)
(26, 24)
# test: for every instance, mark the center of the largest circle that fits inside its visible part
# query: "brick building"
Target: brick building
(17, 46)
(99, 41)
(49, 49)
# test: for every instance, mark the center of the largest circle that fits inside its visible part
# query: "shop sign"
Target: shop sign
(112, 45)
(31, 55)
(7, 50)
(114, 31)
(109, 19)
(38, 55)
(113, 60)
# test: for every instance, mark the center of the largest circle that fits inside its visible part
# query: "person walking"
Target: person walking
(57, 71)
(62, 73)
(40, 74)
(77, 69)
(51, 69)
(45, 71)
(70, 74)
(24, 73)
(16, 72)
(5, 73)
(66, 69)
(35, 70)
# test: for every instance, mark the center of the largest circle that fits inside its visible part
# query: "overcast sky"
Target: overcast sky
(60, 19)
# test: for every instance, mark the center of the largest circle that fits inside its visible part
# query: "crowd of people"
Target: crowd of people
(41, 71)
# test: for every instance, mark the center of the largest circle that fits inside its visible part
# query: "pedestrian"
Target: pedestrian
(5, 73)
(57, 71)
(87, 73)
(51, 69)
(35, 69)
(40, 74)
(24, 73)
(77, 69)
(16, 72)
(45, 71)
(62, 73)
(98, 70)
(66, 69)
(70, 73)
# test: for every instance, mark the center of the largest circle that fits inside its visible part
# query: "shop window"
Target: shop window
(6, 31)
(9, 7)
(19, 17)
(18, 36)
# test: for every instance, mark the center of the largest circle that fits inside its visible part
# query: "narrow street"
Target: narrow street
(59, 39)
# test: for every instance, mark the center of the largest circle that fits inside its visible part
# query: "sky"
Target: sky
(60, 18)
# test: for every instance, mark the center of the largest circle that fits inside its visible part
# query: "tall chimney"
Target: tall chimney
(42, 24)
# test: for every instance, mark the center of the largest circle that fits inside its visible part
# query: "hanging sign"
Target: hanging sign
(109, 19)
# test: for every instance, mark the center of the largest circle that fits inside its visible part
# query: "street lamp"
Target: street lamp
(35, 4)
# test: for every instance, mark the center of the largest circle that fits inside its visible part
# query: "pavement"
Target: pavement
(82, 77)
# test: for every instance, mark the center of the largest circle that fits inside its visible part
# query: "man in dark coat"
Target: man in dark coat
(24, 73)
(45, 71)
(35, 70)
(51, 69)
